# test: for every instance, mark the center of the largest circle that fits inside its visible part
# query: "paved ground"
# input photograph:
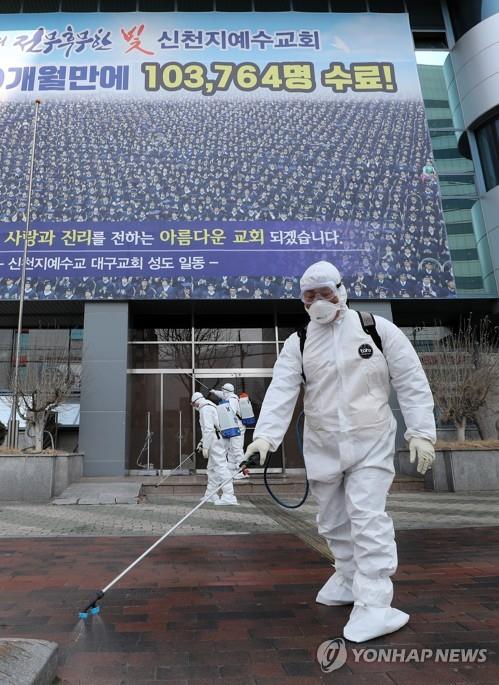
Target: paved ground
(230, 598)
(240, 610)
(45, 520)
(255, 514)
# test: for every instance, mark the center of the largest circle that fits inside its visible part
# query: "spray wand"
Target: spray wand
(92, 607)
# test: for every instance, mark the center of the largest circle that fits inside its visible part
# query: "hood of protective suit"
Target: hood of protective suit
(324, 274)
(227, 390)
(195, 399)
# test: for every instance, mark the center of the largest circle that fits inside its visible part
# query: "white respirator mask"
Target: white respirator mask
(323, 311)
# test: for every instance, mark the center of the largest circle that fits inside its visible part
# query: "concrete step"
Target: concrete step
(402, 483)
(177, 486)
(25, 661)
(105, 491)
(293, 485)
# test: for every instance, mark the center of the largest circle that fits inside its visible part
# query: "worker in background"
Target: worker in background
(236, 443)
(214, 448)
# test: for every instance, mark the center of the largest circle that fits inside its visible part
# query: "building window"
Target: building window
(487, 137)
(465, 15)
(455, 172)
(425, 16)
(42, 350)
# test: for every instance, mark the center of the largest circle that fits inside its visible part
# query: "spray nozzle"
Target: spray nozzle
(91, 608)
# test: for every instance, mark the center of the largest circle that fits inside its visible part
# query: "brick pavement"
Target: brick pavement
(240, 610)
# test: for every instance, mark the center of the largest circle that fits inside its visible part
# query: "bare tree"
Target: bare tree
(212, 346)
(46, 379)
(462, 369)
(207, 351)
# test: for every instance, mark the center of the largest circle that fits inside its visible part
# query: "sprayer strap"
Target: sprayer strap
(368, 323)
(302, 336)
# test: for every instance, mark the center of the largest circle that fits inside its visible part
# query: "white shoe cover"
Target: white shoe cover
(227, 499)
(336, 591)
(213, 499)
(366, 623)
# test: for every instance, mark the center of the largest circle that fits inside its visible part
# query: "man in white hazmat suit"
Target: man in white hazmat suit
(349, 441)
(236, 443)
(215, 450)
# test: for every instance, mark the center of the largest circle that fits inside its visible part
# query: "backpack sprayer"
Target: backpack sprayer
(247, 415)
(227, 420)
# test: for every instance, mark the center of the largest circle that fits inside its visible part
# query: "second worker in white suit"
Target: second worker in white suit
(349, 441)
(215, 450)
(236, 443)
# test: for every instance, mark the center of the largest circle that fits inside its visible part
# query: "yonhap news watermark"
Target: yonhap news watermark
(332, 655)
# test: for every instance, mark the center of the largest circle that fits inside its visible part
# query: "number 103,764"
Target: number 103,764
(247, 76)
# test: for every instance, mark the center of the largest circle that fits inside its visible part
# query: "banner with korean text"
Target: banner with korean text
(216, 156)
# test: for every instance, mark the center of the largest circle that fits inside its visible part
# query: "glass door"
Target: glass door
(160, 422)
(164, 429)
(178, 438)
(144, 423)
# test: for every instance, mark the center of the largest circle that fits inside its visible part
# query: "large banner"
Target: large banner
(216, 156)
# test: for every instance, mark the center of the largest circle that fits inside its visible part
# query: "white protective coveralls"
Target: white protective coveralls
(236, 443)
(349, 443)
(215, 449)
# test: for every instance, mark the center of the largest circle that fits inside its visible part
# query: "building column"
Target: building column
(103, 388)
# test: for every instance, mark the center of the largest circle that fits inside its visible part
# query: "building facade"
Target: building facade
(141, 355)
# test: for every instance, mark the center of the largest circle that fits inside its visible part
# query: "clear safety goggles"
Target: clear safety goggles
(321, 292)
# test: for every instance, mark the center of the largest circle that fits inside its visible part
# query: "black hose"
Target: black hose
(266, 466)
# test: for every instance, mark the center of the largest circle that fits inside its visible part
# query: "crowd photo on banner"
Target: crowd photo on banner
(381, 183)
